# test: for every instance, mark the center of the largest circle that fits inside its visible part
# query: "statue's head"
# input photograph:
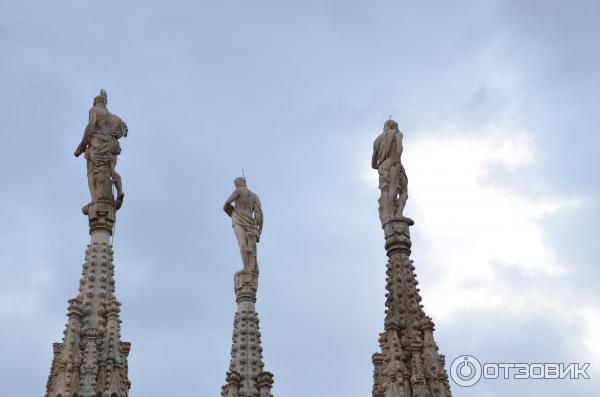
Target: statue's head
(390, 125)
(240, 181)
(101, 98)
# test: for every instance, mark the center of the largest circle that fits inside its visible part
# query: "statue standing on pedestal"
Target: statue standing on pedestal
(100, 143)
(393, 183)
(243, 206)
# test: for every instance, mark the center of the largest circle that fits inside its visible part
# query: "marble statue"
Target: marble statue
(100, 143)
(243, 206)
(393, 183)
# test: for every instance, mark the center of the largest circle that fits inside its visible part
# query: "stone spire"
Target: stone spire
(246, 376)
(91, 361)
(409, 364)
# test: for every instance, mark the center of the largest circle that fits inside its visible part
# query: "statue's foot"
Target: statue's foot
(119, 201)
(409, 221)
(86, 209)
(401, 218)
(250, 269)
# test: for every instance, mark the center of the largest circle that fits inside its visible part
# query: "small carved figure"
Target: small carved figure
(100, 143)
(393, 183)
(243, 206)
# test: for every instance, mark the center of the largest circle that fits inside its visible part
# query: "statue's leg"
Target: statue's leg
(381, 201)
(240, 234)
(394, 191)
(252, 257)
(116, 179)
(90, 176)
(384, 201)
(402, 189)
(118, 185)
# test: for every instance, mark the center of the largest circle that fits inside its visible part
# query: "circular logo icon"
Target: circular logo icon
(465, 370)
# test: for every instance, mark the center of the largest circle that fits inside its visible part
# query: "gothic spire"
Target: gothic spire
(246, 376)
(409, 364)
(91, 361)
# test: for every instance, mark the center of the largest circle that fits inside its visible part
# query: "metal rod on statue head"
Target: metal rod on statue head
(244, 175)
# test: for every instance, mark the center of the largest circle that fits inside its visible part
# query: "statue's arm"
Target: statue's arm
(375, 156)
(399, 147)
(120, 131)
(227, 207)
(87, 133)
(258, 216)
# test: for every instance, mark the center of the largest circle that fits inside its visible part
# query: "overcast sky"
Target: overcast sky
(498, 102)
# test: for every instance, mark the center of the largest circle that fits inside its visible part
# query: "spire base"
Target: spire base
(101, 215)
(245, 285)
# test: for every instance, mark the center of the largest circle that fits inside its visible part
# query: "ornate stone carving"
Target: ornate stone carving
(393, 183)
(246, 284)
(265, 382)
(100, 143)
(101, 215)
(243, 206)
(89, 370)
(378, 389)
(92, 359)
(231, 388)
(394, 367)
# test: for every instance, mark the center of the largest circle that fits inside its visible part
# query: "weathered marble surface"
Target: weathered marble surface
(100, 146)
(393, 183)
(243, 206)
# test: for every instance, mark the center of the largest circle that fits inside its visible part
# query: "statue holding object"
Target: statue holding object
(100, 143)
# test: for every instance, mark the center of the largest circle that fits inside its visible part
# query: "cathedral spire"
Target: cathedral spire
(246, 376)
(409, 364)
(91, 361)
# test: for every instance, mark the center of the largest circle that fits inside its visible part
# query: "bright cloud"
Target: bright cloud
(472, 225)
(476, 229)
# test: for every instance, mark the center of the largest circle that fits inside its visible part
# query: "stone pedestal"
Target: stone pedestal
(245, 285)
(101, 215)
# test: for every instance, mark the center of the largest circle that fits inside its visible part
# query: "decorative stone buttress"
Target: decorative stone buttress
(409, 364)
(91, 361)
(246, 376)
